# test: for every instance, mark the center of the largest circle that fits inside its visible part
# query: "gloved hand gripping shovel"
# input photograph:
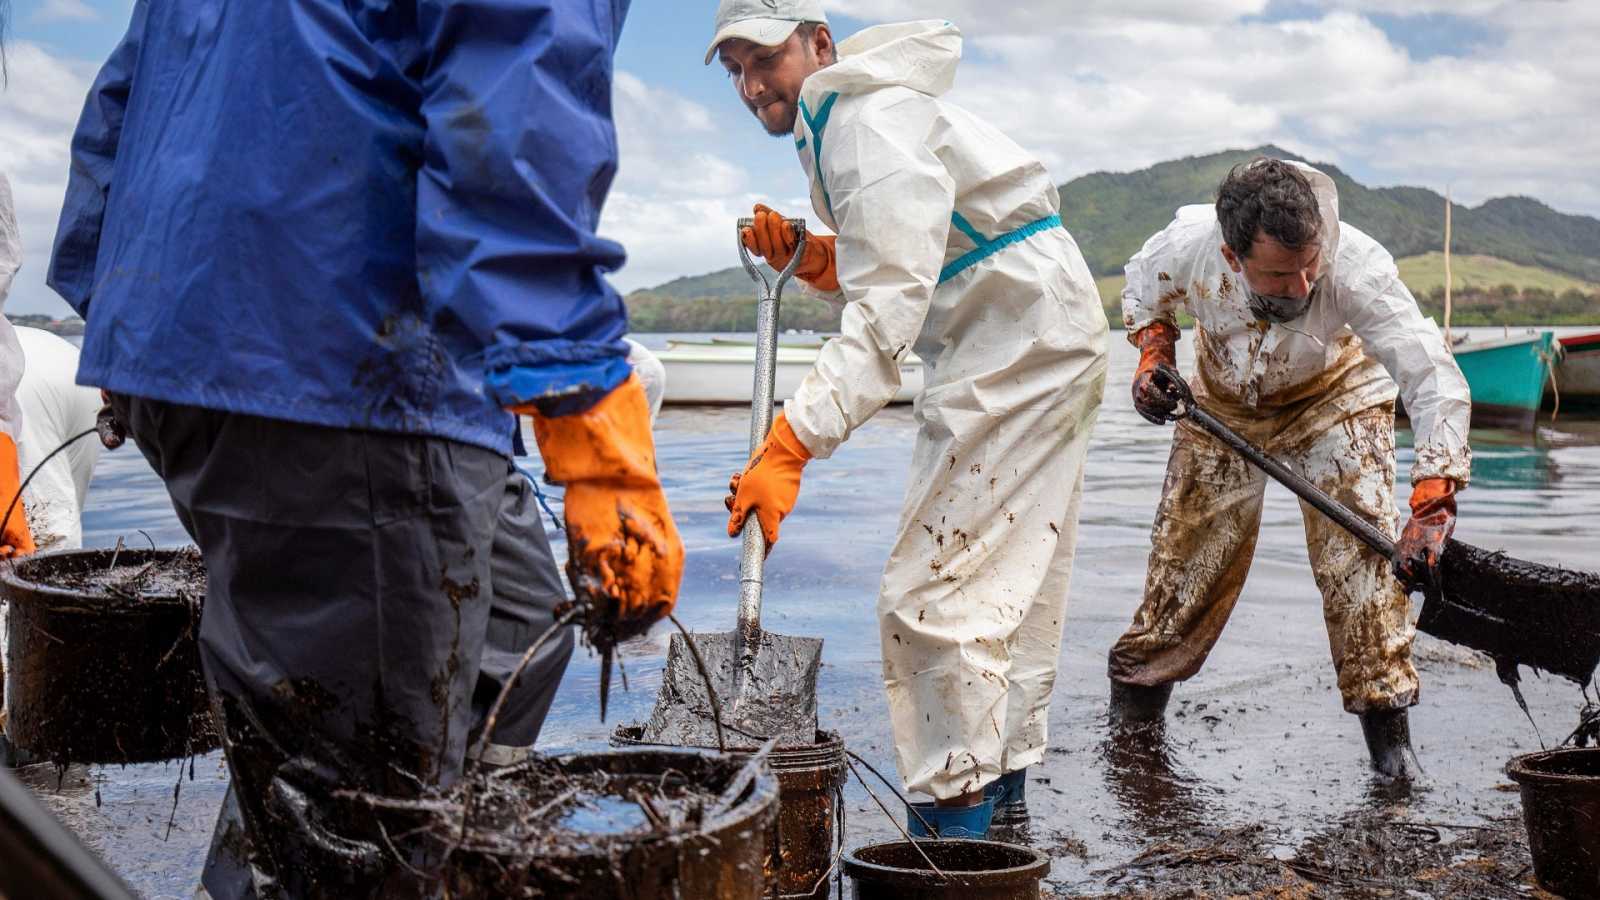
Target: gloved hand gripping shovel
(1520, 613)
(766, 682)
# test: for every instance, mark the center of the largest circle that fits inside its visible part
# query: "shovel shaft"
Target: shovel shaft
(1305, 490)
(752, 561)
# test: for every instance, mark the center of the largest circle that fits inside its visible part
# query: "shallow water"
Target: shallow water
(1258, 737)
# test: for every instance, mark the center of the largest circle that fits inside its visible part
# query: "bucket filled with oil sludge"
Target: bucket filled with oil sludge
(643, 824)
(810, 813)
(1561, 806)
(960, 870)
(103, 662)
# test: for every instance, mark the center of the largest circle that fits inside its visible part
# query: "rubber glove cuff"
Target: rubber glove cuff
(1157, 343)
(1422, 542)
(16, 538)
(770, 483)
(625, 557)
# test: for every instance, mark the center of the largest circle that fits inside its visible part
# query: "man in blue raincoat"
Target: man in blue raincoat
(324, 250)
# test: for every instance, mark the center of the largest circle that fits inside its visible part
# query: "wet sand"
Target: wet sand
(1261, 783)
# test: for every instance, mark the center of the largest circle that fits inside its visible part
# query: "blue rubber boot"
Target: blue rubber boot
(1010, 795)
(967, 822)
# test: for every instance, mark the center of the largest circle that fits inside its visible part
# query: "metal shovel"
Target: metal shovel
(1518, 612)
(766, 683)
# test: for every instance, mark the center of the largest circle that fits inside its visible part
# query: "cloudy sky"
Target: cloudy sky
(1488, 97)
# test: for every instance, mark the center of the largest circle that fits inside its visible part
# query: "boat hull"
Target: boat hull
(1508, 379)
(724, 374)
(1578, 373)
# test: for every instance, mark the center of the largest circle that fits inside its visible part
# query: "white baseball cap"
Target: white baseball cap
(765, 22)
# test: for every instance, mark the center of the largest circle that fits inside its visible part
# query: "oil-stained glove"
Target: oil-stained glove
(1157, 343)
(1421, 544)
(769, 484)
(624, 555)
(112, 432)
(16, 539)
(773, 240)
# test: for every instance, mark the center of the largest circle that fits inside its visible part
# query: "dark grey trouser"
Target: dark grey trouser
(364, 594)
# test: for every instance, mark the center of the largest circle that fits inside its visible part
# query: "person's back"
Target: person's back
(314, 213)
(322, 248)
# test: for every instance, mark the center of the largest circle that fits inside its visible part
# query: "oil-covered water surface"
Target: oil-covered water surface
(1258, 745)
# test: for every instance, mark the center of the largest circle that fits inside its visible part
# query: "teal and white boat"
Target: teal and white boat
(1508, 377)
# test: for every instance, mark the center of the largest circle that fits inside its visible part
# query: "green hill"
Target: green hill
(1424, 274)
(1112, 214)
(1509, 240)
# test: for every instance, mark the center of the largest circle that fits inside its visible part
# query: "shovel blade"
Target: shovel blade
(772, 693)
(1518, 612)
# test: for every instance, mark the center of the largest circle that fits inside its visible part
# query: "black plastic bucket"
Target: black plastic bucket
(973, 870)
(720, 860)
(100, 676)
(810, 782)
(1561, 806)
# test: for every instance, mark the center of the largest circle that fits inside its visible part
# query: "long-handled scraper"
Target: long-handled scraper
(1520, 613)
(766, 683)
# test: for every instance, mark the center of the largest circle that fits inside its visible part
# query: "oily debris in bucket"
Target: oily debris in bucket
(545, 809)
(181, 573)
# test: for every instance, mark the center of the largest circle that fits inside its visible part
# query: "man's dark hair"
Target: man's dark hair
(806, 30)
(1271, 196)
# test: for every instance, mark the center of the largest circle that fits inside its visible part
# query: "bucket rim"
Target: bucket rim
(762, 795)
(1035, 868)
(13, 580)
(1521, 769)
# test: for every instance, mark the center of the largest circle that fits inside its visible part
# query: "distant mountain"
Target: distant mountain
(1112, 214)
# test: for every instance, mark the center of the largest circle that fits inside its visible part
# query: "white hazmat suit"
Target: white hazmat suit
(1318, 394)
(950, 245)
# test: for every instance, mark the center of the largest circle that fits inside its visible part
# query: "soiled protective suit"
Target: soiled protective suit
(950, 244)
(1316, 393)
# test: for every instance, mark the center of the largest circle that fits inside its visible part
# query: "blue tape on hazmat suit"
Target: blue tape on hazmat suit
(357, 215)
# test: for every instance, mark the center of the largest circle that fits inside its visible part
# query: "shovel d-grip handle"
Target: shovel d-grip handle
(753, 558)
(1170, 382)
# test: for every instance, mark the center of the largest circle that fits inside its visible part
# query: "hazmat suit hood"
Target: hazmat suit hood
(921, 56)
(1288, 309)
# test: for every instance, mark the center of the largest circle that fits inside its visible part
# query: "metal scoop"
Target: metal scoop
(766, 683)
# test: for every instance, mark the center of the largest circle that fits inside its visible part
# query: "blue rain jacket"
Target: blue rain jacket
(350, 212)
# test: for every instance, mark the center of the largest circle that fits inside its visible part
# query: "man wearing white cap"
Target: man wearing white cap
(949, 245)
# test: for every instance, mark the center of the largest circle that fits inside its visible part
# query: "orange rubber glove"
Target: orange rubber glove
(769, 484)
(16, 539)
(1433, 520)
(624, 554)
(773, 240)
(1157, 343)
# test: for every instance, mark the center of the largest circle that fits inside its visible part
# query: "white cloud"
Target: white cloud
(64, 11)
(674, 198)
(1119, 86)
(38, 111)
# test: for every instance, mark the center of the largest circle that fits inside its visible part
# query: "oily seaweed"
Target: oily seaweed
(1518, 612)
(638, 824)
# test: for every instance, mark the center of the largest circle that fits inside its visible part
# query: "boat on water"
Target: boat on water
(1508, 377)
(1577, 379)
(722, 370)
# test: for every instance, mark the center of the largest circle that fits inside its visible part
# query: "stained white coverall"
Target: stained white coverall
(10, 349)
(1318, 393)
(950, 245)
(54, 408)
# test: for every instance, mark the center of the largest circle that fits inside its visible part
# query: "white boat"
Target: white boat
(722, 370)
